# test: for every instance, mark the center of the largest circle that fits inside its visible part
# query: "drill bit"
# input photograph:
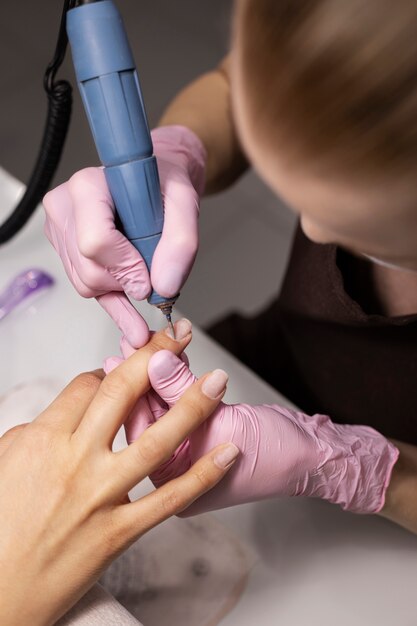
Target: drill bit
(166, 309)
(170, 324)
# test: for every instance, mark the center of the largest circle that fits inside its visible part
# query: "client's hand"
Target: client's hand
(283, 452)
(65, 512)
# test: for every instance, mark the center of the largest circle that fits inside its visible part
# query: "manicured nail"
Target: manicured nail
(215, 384)
(225, 456)
(182, 328)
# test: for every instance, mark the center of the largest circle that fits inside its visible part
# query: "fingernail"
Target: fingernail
(182, 328)
(225, 456)
(215, 384)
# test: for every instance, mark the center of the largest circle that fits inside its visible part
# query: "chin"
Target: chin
(313, 232)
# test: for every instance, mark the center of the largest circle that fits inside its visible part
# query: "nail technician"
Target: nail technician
(321, 99)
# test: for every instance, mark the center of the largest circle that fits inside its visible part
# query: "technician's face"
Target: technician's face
(372, 220)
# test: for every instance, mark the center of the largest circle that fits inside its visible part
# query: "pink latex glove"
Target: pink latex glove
(100, 262)
(283, 452)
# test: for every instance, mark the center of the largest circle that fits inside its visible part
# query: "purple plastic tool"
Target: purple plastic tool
(27, 283)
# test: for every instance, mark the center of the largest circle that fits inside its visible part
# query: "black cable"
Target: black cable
(57, 122)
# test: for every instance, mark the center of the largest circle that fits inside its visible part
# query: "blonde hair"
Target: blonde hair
(335, 79)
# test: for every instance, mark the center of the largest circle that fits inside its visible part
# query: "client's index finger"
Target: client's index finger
(122, 387)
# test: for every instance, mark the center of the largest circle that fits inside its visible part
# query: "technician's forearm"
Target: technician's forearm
(401, 496)
(204, 106)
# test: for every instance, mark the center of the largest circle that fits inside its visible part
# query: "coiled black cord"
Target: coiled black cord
(56, 127)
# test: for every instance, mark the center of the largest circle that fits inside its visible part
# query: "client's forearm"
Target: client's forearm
(401, 496)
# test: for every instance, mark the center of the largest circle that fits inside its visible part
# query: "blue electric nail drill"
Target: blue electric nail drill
(110, 90)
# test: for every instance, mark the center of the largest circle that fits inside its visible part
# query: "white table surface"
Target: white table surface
(314, 564)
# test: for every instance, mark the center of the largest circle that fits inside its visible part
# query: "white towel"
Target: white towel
(24, 402)
(187, 572)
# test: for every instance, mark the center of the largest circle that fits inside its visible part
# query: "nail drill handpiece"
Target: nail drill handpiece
(110, 90)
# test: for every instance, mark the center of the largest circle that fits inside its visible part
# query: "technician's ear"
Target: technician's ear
(9, 436)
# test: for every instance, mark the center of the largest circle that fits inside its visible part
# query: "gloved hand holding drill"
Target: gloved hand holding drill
(100, 262)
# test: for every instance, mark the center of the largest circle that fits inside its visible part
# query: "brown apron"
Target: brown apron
(318, 347)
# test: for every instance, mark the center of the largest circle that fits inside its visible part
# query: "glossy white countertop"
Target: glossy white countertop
(315, 565)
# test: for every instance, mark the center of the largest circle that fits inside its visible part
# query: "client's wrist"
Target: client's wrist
(25, 596)
(15, 612)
